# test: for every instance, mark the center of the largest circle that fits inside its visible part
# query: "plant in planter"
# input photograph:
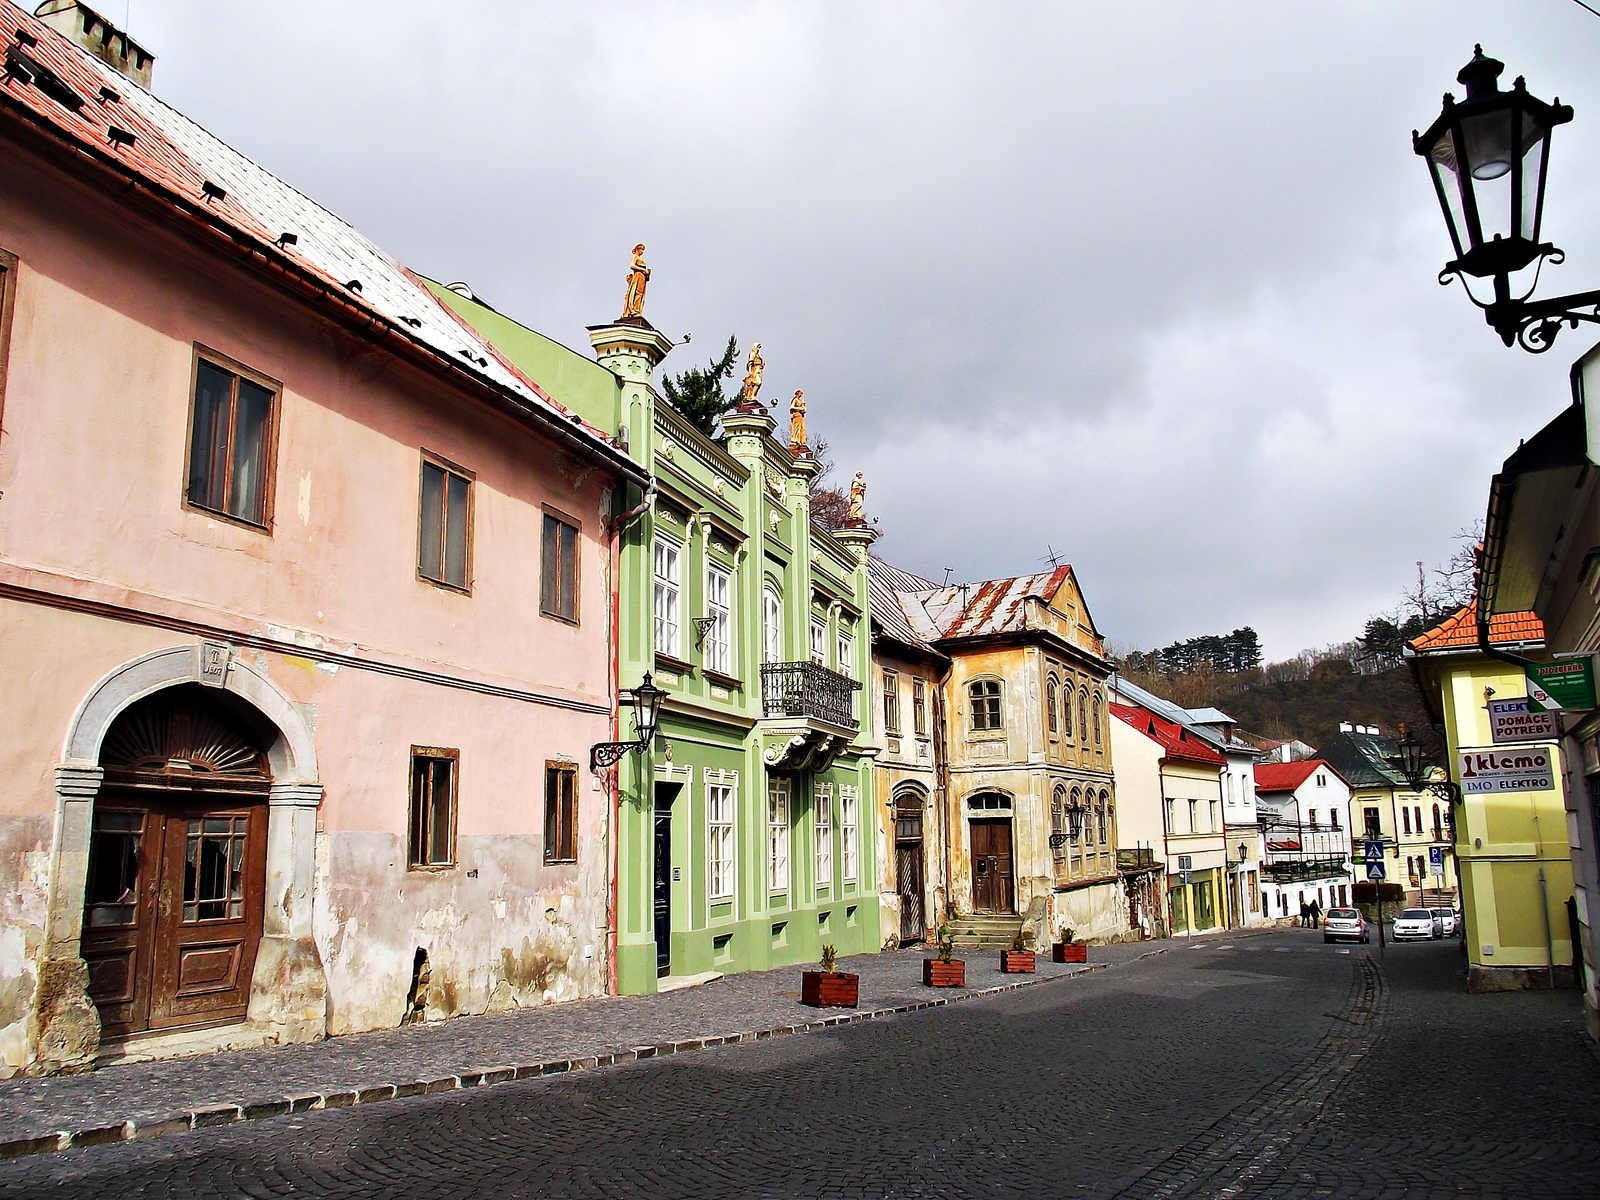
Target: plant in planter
(1018, 960)
(1068, 950)
(946, 970)
(828, 988)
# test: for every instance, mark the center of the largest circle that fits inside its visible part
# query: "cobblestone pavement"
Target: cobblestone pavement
(151, 1093)
(1253, 1065)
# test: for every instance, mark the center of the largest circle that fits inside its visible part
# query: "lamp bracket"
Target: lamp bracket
(1057, 840)
(1531, 324)
(702, 626)
(608, 754)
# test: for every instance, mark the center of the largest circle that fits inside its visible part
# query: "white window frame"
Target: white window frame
(849, 834)
(844, 648)
(666, 561)
(722, 803)
(824, 831)
(772, 625)
(719, 638)
(819, 641)
(778, 835)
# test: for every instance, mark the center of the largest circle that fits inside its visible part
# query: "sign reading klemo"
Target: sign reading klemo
(1496, 770)
(1567, 683)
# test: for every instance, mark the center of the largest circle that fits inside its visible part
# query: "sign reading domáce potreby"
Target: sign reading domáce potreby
(1514, 721)
(1495, 769)
(1566, 684)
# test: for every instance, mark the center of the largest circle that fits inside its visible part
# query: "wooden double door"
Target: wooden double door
(992, 885)
(172, 913)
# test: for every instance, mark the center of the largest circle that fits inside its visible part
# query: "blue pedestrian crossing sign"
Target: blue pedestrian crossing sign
(1373, 853)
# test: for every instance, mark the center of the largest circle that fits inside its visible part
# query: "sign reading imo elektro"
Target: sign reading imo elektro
(1515, 770)
(1514, 721)
(1566, 684)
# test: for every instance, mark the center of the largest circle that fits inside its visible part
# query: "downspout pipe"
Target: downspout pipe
(1502, 488)
(615, 529)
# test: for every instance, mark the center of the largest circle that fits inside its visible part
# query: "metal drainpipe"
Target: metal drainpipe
(616, 528)
(1549, 945)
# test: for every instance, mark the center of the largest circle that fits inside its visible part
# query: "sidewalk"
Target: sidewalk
(151, 1099)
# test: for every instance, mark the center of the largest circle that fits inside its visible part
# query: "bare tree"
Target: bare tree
(830, 505)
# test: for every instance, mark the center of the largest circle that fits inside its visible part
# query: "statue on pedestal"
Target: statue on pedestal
(797, 422)
(752, 379)
(638, 277)
(858, 499)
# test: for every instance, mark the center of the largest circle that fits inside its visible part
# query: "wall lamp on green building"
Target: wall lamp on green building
(646, 701)
(1489, 156)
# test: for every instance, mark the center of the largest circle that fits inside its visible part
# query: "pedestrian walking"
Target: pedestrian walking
(1305, 914)
(1316, 913)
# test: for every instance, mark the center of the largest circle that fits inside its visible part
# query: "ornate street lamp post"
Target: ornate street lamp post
(1489, 156)
(646, 720)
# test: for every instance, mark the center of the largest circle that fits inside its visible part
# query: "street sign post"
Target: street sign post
(1515, 721)
(1373, 853)
(1436, 861)
(1566, 684)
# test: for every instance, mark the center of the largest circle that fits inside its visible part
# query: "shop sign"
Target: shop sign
(1563, 685)
(1491, 770)
(1514, 721)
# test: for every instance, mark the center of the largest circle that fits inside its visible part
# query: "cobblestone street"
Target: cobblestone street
(1264, 1064)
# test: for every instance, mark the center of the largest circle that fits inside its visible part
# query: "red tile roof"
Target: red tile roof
(1285, 777)
(1460, 630)
(1173, 739)
(112, 120)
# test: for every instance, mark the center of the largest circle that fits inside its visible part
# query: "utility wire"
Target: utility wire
(1587, 8)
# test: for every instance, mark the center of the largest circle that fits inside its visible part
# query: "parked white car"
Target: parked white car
(1419, 923)
(1448, 919)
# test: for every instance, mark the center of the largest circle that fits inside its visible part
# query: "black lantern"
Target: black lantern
(646, 701)
(1489, 156)
(1411, 759)
(1075, 812)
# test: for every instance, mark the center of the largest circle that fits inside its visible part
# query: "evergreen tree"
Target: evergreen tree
(697, 393)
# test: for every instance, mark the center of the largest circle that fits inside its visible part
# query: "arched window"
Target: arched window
(1111, 820)
(1104, 809)
(1052, 691)
(771, 626)
(1097, 720)
(986, 712)
(1058, 826)
(1066, 710)
(1078, 835)
(1083, 713)
(1438, 827)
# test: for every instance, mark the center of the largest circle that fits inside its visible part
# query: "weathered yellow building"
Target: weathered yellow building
(1027, 835)
(1512, 845)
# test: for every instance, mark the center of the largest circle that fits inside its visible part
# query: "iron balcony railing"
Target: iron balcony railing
(1136, 858)
(1298, 870)
(805, 689)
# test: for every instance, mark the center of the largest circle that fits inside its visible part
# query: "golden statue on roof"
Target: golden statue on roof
(752, 376)
(638, 277)
(858, 498)
(797, 422)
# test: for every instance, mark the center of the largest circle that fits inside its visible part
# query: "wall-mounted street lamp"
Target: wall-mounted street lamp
(646, 700)
(1423, 778)
(1489, 156)
(1074, 814)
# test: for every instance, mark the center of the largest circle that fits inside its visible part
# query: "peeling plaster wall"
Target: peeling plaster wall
(25, 871)
(1097, 914)
(517, 934)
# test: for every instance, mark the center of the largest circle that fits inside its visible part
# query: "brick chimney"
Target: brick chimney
(81, 24)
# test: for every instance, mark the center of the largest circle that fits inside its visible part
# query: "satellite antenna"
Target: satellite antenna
(947, 571)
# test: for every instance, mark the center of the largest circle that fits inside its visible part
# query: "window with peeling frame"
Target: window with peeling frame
(891, 703)
(558, 569)
(445, 524)
(560, 812)
(230, 443)
(986, 711)
(432, 841)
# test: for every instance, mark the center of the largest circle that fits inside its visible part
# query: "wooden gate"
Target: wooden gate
(908, 867)
(991, 866)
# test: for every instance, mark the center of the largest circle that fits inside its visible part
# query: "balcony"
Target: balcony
(808, 715)
(1135, 859)
(805, 689)
(1300, 870)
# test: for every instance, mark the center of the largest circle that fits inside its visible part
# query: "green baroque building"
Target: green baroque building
(746, 838)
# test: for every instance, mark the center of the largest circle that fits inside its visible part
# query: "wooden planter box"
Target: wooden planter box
(1069, 952)
(1016, 962)
(936, 973)
(821, 989)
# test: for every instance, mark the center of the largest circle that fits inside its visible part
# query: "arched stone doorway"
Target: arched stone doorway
(285, 998)
(989, 825)
(177, 861)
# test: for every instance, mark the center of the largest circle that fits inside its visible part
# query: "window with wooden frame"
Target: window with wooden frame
(919, 708)
(986, 711)
(1097, 720)
(558, 569)
(1083, 714)
(433, 808)
(560, 812)
(444, 544)
(1052, 705)
(8, 293)
(719, 637)
(232, 423)
(891, 703)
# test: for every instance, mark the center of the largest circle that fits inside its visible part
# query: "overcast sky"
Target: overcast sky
(1150, 284)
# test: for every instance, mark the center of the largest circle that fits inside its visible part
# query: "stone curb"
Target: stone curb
(227, 1114)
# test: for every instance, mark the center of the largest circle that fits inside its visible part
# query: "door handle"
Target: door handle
(164, 904)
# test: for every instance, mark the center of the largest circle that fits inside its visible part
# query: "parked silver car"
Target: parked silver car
(1418, 923)
(1448, 919)
(1345, 924)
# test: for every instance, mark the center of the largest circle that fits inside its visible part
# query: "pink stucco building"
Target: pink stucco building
(304, 610)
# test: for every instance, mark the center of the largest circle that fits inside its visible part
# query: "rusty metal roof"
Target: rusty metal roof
(994, 606)
(114, 120)
(884, 584)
